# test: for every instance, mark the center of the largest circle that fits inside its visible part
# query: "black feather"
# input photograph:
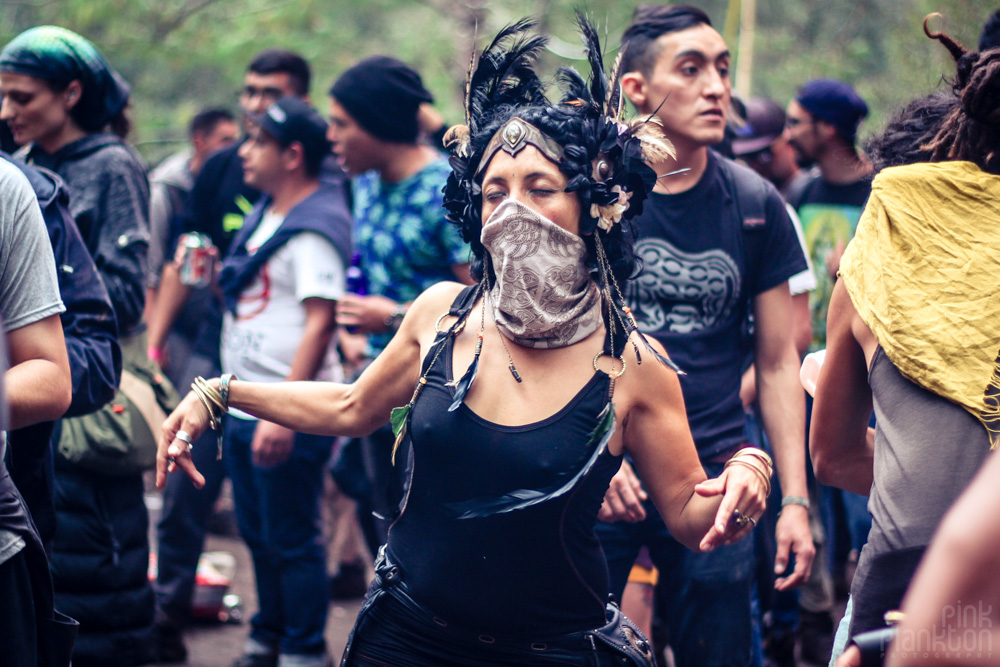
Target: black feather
(598, 77)
(666, 361)
(572, 85)
(462, 386)
(504, 75)
(524, 498)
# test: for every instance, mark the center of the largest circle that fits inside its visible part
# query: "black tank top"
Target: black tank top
(535, 571)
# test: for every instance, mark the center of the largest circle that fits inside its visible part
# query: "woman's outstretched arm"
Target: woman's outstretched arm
(324, 408)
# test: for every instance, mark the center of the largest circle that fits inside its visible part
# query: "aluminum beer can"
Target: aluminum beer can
(196, 259)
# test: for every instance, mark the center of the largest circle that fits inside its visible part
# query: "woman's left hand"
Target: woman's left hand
(742, 491)
(172, 452)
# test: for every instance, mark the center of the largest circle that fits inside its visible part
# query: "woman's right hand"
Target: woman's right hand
(172, 453)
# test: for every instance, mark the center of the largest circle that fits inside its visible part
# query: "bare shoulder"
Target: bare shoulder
(437, 296)
(432, 303)
(645, 379)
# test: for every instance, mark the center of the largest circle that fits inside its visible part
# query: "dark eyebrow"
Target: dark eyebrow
(695, 53)
(527, 177)
(539, 174)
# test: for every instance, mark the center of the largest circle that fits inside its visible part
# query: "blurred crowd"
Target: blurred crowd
(285, 243)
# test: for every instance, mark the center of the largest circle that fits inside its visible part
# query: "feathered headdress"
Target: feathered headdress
(610, 174)
(605, 159)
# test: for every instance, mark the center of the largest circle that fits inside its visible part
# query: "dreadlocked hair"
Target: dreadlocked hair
(910, 131)
(585, 123)
(971, 131)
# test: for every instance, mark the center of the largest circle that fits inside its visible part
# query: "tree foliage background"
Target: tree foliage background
(183, 55)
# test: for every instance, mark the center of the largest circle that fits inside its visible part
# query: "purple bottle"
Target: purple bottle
(357, 283)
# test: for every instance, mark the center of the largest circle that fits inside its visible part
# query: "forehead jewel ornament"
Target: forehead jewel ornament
(513, 136)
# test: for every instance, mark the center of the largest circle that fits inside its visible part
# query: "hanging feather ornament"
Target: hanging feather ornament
(666, 361)
(524, 498)
(399, 418)
(463, 385)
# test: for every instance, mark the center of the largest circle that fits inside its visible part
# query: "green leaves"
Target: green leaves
(183, 55)
(399, 418)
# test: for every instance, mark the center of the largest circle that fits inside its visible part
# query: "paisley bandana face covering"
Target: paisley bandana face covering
(543, 296)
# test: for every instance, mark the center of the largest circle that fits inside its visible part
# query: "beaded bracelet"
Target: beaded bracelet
(795, 500)
(224, 388)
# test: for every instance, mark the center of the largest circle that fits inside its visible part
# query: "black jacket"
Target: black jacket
(109, 200)
(88, 323)
(100, 557)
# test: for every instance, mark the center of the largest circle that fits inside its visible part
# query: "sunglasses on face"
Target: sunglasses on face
(763, 156)
(270, 94)
(795, 122)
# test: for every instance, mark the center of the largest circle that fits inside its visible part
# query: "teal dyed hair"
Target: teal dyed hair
(59, 56)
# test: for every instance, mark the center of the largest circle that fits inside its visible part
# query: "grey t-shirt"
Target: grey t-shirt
(29, 292)
(927, 450)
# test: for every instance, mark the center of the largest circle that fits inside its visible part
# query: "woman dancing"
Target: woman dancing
(530, 387)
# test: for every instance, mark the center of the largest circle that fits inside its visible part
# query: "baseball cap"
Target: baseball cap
(765, 121)
(292, 119)
(834, 102)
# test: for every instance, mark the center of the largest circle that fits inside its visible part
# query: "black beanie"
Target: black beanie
(382, 95)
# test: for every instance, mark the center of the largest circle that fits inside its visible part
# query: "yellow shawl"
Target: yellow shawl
(923, 271)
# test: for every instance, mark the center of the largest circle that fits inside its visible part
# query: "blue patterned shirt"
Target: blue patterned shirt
(404, 242)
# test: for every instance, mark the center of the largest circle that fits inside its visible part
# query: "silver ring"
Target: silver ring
(186, 438)
(753, 521)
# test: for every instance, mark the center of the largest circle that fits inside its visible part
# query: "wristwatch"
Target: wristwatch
(396, 318)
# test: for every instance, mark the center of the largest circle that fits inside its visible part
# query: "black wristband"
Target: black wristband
(874, 645)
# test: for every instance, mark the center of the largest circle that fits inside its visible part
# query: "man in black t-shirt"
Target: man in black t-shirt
(716, 243)
(822, 126)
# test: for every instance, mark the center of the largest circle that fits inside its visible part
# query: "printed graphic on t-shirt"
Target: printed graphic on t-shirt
(827, 228)
(254, 300)
(404, 242)
(683, 292)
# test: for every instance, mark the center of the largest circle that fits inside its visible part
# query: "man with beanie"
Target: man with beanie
(821, 126)
(402, 242)
(989, 37)
(281, 281)
(397, 182)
